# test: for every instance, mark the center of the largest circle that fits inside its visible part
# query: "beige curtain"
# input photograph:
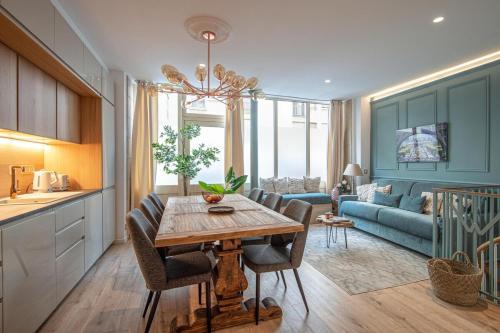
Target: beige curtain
(144, 133)
(339, 141)
(233, 146)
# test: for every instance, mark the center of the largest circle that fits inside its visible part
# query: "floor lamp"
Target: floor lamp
(353, 170)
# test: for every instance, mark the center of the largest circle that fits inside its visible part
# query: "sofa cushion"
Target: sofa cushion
(364, 210)
(412, 204)
(313, 198)
(398, 186)
(419, 225)
(391, 200)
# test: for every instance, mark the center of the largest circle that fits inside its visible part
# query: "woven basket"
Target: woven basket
(455, 281)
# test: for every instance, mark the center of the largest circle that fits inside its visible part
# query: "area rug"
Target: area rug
(368, 264)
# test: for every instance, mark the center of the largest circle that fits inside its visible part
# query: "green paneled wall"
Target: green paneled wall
(469, 102)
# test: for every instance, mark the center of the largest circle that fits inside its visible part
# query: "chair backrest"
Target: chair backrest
(151, 212)
(273, 201)
(150, 262)
(155, 198)
(256, 194)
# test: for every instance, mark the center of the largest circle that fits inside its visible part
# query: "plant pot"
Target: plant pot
(212, 198)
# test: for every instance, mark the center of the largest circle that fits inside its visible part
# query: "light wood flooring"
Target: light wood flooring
(110, 298)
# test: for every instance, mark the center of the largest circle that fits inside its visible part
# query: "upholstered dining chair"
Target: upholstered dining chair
(165, 273)
(256, 194)
(155, 198)
(272, 201)
(273, 258)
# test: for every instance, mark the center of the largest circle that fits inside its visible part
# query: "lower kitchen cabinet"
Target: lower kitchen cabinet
(108, 217)
(29, 273)
(93, 229)
(70, 267)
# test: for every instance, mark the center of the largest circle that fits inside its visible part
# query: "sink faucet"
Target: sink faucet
(13, 181)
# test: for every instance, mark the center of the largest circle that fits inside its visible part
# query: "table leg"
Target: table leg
(327, 236)
(345, 236)
(336, 234)
(229, 284)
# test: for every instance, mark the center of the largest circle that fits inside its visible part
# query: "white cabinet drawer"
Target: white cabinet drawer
(69, 236)
(70, 267)
(70, 213)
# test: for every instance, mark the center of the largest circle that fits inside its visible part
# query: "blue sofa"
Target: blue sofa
(409, 229)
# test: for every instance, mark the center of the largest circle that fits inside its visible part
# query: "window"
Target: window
(319, 140)
(246, 138)
(265, 135)
(299, 109)
(205, 106)
(212, 137)
(291, 141)
(168, 115)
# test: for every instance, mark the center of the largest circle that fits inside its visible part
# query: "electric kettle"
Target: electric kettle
(43, 180)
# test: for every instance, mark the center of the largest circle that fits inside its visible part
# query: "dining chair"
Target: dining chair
(165, 273)
(273, 258)
(256, 194)
(272, 201)
(155, 198)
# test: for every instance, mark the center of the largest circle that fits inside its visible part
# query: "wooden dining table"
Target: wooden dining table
(186, 220)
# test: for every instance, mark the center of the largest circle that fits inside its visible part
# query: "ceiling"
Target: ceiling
(292, 46)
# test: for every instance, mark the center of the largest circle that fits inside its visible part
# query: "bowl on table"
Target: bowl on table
(212, 198)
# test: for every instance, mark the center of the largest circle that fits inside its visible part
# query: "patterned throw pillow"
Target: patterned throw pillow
(267, 184)
(382, 189)
(281, 185)
(296, 185)
(366, 191)
(429, 202)
(311, 185)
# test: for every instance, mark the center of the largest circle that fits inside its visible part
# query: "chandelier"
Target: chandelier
(229, 84)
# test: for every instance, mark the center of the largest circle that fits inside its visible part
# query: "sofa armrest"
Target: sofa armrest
(345, 197)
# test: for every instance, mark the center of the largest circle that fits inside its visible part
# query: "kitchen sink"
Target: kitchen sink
(26, 201)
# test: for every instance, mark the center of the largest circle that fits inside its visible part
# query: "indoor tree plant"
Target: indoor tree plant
(183, 163)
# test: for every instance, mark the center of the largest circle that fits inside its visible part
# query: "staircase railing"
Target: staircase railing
(469, 220)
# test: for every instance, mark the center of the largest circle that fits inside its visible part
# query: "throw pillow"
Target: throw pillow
(429, 202)
(267, 184)
(296, 185)
(382, 189)
(412, 204)
(311, 185)
(389, 200)
(281, 185)
(365, 191)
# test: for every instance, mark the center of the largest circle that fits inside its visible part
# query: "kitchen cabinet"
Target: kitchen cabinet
(70, 268)
(108, 218)
(108, 144)
(29, 273)
(37, 100)
(36, 15)
(92, 70)
(67, 44)
(108, 86)
(93, 229)
(68, 114)
(8, 88)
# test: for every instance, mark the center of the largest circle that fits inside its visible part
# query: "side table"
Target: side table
(334, 222)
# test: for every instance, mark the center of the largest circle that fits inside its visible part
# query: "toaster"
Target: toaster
(62, 183)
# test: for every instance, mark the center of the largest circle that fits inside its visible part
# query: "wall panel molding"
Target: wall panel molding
(376, 141)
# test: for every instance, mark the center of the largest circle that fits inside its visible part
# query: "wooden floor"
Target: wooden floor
(110, 298)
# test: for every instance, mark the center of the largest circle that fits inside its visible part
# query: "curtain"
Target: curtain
(339, 141)
(233, 145)
(144, 133)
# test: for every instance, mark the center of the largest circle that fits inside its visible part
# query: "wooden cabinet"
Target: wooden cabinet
(108, 218)
(108, 87)
(68, 114)
(108, 144)
(92, 70)
(37, 101)
(67, 44)
(93, 229)
(29, 272)
(36, 15)
(8, 88)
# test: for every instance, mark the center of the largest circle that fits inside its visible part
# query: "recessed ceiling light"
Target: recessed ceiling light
(328, 81)
(438, 19)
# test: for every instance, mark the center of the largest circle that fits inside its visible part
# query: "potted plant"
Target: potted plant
(213, 193)
(187, 164)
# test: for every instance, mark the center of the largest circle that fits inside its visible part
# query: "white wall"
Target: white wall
(361, 136)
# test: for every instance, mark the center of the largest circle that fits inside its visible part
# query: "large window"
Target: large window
(247, 138)
(319, 140)
(265, 135)
(211, 136)
(291, 140)
(168, 115)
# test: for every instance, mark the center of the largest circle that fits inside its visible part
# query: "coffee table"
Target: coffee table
(334, 222)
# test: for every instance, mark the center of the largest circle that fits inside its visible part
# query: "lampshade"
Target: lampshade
(353, 170)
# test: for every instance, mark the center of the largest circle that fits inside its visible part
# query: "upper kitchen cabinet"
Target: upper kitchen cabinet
(68, 114)
(108, 87)
(67, 45)
(37, 101)
(36, 15)
(8, 88)
(108, 144)
(92, 70)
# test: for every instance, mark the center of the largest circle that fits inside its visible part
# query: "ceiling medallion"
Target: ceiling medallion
(230, 85)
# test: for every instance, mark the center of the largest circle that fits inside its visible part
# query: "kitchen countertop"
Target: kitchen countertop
(12, 212)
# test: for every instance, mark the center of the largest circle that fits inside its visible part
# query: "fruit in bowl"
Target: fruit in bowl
(212, 198)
